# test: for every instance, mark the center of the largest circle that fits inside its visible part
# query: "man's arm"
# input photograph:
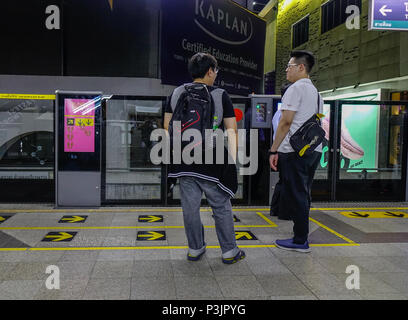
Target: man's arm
(166, 122)
(232, 132)
(283, 129)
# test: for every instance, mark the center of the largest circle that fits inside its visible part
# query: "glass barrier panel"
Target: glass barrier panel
(26, 139)
(130, 174)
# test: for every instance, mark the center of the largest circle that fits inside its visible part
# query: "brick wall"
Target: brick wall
(344, 57)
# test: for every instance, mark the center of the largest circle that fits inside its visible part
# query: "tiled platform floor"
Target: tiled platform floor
(105, 260)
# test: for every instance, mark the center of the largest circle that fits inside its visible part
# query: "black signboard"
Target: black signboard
(234, 36)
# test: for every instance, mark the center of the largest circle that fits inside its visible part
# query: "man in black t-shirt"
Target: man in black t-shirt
(218, 182)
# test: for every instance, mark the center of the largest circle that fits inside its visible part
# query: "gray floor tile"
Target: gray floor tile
(108, 289)
(6, 268)
(293, 298)
(338, 264)
(351, 296)
(19, 289)
(155, 288)
(112, 269)
(370, 283)
(256, 253)
(303, 264)
(69, 290)
(284, 285)
(80, 255)
(386, 249)
(160, 254)
(28, 271)
(115, 255)
(267, 265)
(75, 270)
(384, 296)
(119, 241)
(152, 268)
(190, 287)
(182, 268)
(398, 281)
(323, 252)
(376, 264)
(15, 256)
(240, 286)
(324, 284)
(399, 262)
(52, 256)
(402, 246)
(354, 251)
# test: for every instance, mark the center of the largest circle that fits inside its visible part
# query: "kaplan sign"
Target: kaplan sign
(235, 37)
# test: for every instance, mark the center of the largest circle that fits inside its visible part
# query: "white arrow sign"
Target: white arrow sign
(384, 9)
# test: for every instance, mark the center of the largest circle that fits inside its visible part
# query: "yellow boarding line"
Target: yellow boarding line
(164, 247)
(272, 224)
(70, 227)
(332, 231)
(27, 96)
(178, 210)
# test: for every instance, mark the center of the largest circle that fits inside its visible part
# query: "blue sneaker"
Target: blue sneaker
(288, 244)
(195, 258)
(240, 255)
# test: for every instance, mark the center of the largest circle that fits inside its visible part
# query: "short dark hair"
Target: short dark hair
(304, 57)
(200, 63)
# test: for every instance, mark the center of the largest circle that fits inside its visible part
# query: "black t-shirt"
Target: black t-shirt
(226, 105)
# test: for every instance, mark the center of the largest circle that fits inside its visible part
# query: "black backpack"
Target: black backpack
(305, 140)
(194, 107)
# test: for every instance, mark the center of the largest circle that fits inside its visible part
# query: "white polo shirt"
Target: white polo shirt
(302, 98)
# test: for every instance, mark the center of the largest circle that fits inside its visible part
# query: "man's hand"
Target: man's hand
(273, 161)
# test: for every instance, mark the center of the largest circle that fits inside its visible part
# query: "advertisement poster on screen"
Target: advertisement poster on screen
(79, 125)
(359, 136)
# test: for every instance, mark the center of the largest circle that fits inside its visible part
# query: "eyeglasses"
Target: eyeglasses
(291, 65)
(216, 70)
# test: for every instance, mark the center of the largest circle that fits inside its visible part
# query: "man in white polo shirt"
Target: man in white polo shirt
(299, 103)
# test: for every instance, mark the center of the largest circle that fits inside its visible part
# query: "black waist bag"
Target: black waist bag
(305, 140)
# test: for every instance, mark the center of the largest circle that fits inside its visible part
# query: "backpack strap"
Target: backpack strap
(216, 94)
(176, 96)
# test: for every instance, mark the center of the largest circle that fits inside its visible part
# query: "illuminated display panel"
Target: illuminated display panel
(79, 125)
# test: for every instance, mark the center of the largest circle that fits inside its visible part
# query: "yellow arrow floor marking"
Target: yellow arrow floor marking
(60, 237)
(152, 234)
(374, 214)
(151, 218)
(73, 219)
(2, 219)
(240, 234)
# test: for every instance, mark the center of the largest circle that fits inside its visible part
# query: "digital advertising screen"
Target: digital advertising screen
(78, 131)
(79, 125)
